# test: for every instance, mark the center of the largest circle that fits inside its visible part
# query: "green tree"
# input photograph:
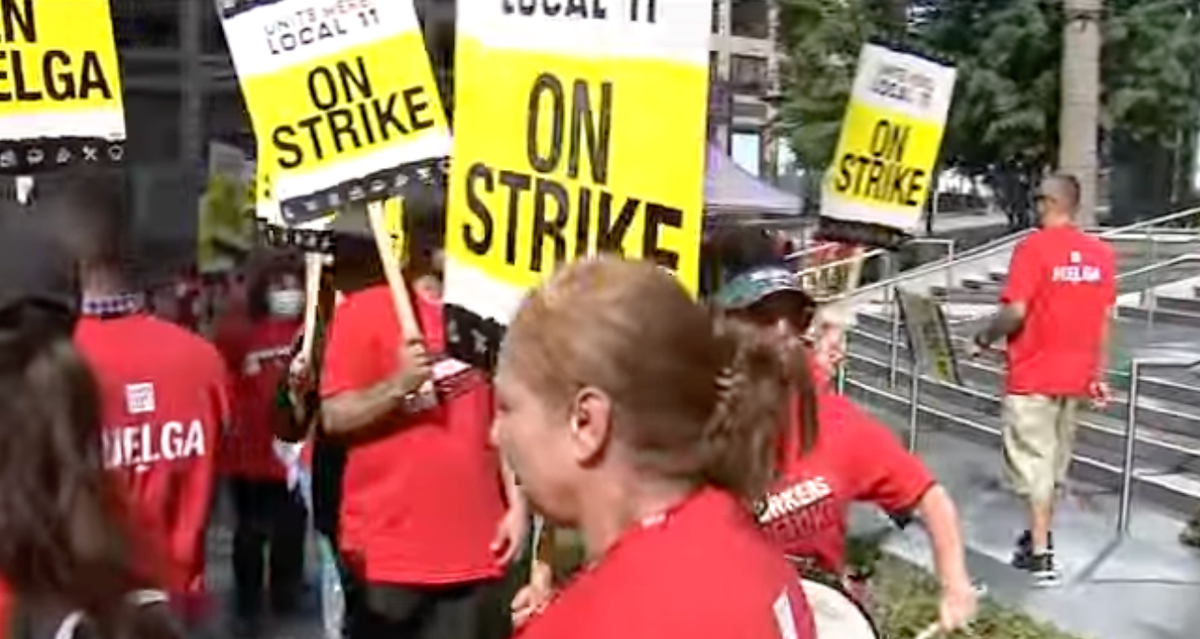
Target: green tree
(822, 39)
(1004, 120)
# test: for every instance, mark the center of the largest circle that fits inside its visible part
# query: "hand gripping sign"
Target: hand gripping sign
(882, 172)
(60, 86)
(579, 129)
(341, 96)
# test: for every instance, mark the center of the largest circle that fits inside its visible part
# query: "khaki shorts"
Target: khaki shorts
(1039, 434)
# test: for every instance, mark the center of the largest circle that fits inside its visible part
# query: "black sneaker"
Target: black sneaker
(1023, 557)
(1044, 571)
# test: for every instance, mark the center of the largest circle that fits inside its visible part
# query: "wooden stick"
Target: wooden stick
(391, 270)
(313, 263)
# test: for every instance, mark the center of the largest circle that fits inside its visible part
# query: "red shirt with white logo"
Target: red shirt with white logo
(1067, 281)
(421, 501)
(699, 571)
(855, 459)
(165, 395)
(247, 448)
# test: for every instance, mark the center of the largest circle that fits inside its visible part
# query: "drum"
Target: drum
(836, 614)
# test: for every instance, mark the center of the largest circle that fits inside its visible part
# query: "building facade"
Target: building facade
(744, 69)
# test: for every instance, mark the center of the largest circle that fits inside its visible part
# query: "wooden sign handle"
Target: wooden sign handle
(391, 270)
(313, 263)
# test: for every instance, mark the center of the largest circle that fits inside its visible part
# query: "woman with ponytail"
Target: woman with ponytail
(832, 453)
(629, 415)
(67, 566)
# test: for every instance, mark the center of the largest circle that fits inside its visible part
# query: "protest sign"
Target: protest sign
(882, 171)
(341, 96)
(60, 86)
(930, 345)
(579, 129)
(224, 231)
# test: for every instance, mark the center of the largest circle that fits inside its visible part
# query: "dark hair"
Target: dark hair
(260, 279)
(87, 207)
(63, 536)
(424, 226)
(694, 397)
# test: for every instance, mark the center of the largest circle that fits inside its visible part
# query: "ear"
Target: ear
(591, 424)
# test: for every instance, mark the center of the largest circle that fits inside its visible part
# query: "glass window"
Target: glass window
(748, 74)
(746, 150)
(716, 16)
(750, 18)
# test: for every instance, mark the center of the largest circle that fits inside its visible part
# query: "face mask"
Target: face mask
(286, 303)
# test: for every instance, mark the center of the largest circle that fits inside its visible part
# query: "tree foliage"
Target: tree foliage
(1004, 119)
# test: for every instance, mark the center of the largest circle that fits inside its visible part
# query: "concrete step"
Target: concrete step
(1106, 430)
(1160, 315)
(1176, 487)
(1181, 304)
(1162, 404)
(963, 295)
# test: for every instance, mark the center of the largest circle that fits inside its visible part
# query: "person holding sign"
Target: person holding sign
(1054, 313)
(425, 525)
(833, 454)
(629, 415)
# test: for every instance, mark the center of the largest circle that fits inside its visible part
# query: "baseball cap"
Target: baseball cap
(756, 285)
(39, 291)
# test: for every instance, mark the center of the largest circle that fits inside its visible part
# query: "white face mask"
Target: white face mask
(286, 303)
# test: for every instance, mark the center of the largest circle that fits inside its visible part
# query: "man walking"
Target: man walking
(1054, 313)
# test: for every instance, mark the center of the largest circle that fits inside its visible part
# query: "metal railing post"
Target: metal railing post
(914, 408)
(950, 267)
(1151, 299)
(894, 356)
(1130, 446)
(841, 378)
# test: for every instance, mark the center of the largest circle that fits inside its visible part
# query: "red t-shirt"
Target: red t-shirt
(421, 503)
(247, 447)
(165, 395)
(700, 571)
(855, 459)
(1067, 281)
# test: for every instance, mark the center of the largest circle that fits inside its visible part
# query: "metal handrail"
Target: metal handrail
(1158, 266)
(1145, 224)
(995, 246)
(1005, 242)
(1135, 367)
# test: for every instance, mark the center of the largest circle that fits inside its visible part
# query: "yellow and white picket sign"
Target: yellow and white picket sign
(579, 128)
(882, 172)
(341, 95)
(60, 86)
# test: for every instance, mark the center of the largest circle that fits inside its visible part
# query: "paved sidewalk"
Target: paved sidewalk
(1147, 587)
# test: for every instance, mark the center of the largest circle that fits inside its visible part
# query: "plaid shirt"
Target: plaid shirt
(113, 305)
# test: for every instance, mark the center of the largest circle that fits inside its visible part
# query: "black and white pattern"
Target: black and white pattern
(23, 157)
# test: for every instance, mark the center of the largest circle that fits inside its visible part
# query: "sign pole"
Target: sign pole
(391, 270)
(313, 262)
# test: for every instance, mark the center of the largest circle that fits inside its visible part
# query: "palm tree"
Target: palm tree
(1080, 119)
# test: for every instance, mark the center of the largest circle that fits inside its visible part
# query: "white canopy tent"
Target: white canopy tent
(733, 194)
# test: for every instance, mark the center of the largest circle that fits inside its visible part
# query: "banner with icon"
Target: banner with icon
(882, 172)
(60, 86)
(577, 131)
(341, 96)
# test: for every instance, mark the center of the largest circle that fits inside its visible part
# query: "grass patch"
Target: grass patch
(905, 600)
